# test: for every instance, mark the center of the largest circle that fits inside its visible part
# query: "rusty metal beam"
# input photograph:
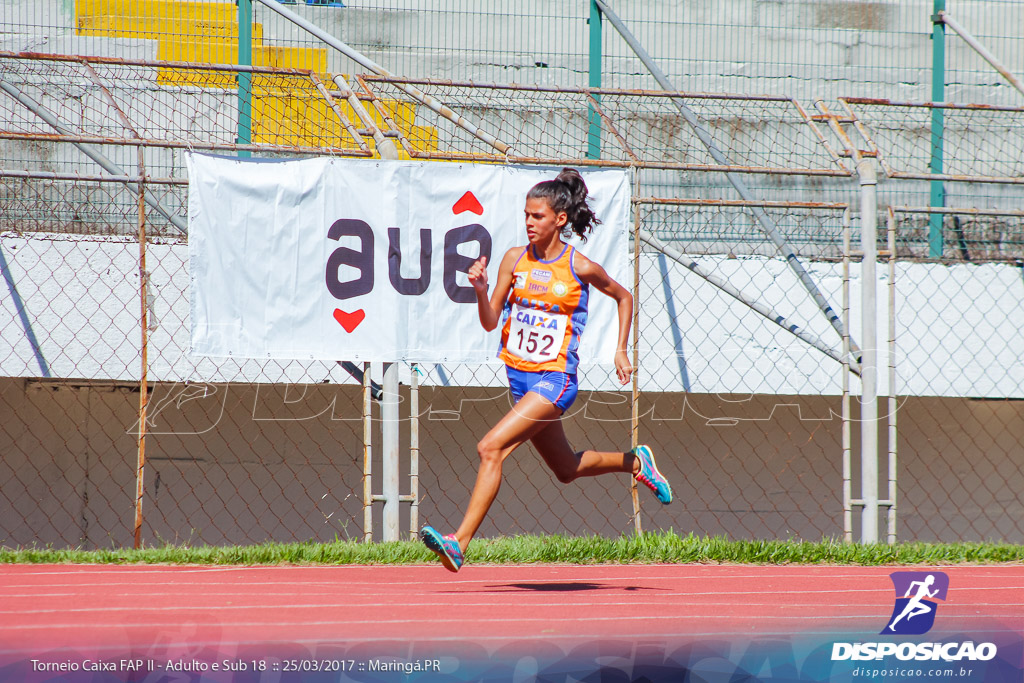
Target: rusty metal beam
(176, 144)
(82, 177)
(578, 90)
(834, 206)
(105, 163)
(184, 66)
(985, 53)
(364, 61)
(766, 223)
(753, 303)
(881, 102)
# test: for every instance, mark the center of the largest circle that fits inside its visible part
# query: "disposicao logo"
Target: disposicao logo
(915, 608)
(914, 613)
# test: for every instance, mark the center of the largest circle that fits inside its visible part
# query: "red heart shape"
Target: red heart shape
(468, 202)
(349, 321)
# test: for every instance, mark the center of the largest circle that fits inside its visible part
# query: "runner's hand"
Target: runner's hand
(478, 275)
(623, 368)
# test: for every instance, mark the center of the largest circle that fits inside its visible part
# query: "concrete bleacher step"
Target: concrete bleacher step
(161, 28)
(284, 112)
(126, 13)
(225, 51)
(307, 120)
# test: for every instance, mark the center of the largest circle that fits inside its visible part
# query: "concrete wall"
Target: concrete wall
(247, 463)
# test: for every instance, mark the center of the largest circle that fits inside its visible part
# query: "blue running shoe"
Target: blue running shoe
(650, 475)
(446, 547)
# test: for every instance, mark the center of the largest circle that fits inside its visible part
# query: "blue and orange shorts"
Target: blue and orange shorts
(558, 387)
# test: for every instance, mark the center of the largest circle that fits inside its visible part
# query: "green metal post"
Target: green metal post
(938, 190)
(244, 79)
(594, 131)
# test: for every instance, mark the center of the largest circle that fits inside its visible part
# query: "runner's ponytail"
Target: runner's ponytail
(568, 193)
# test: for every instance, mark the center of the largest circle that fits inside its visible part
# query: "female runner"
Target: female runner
(541, 299)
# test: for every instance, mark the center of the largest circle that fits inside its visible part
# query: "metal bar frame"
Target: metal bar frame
(368, 63)
(96, 156)
(635, 389)
(953, 210)
(385, 147)
(577, 90)
(340, 114)
(414, 453)
(892, 402)
(594, 98)
(174, 144)
(767, 225)
(847, 437)
(155, 64)
(390, 422)
(752, 303)
(367, 455)
(943, 17)
(937, 192)
(140, 471)
(890, 172)
(244, 79)
(594, 81)
(869, 353)
(877, 101)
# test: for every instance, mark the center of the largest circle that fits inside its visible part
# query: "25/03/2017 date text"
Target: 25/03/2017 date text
(329, 665)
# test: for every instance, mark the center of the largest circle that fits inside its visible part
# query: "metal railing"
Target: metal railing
(242, 450)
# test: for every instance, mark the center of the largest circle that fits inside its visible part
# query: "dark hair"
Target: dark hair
(568, 193)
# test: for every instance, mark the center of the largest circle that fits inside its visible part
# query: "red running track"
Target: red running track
(93, 607)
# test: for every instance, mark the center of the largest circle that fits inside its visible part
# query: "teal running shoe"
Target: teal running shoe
(446, 547)
(650, 475)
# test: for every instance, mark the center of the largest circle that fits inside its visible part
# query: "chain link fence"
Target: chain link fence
(955, 235)
(736, 389)
(800, 48)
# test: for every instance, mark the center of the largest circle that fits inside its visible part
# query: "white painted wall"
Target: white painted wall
(960, 329)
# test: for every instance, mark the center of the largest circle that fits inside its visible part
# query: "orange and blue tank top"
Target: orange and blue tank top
(544, 316)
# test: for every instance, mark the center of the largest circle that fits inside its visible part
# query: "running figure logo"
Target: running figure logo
(916, 592)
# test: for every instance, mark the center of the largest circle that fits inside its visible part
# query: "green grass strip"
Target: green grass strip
(647, 548)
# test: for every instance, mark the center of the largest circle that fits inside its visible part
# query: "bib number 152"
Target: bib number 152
(536, 336)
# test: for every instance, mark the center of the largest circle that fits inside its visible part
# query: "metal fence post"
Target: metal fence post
(245, 79)
(389, 451)
(985, 53)
(367, 454)
(938, 190)
(891, 239)
(635, 395)
(414, 453)
(594, 119)
(847, 437)
(140, 468)
(869, 353)
(734, 178)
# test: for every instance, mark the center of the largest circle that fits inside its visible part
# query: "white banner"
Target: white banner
(337, 259)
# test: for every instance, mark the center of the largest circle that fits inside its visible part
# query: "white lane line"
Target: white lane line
(150, 591)
(407, 642)
(132, 609)
(134, 626)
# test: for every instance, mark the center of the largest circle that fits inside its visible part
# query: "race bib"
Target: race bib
(536, 336)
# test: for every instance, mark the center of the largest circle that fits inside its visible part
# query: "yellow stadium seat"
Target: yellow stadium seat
(286, 110)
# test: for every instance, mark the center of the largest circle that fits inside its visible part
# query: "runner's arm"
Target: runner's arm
(490, 310)
(596, 276)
